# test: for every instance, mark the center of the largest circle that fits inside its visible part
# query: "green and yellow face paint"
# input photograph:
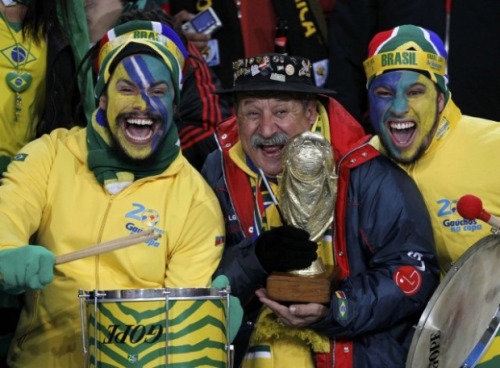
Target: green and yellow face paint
(404, 109)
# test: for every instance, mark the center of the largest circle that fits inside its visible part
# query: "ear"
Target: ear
(103, 102)
(311, 112)
(441, 102)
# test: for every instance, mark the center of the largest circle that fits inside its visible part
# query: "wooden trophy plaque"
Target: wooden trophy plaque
(287, 287)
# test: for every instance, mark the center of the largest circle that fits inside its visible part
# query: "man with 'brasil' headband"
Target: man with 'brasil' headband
(419, 126)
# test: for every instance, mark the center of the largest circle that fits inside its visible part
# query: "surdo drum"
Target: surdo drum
(186, 327)
(459, 328)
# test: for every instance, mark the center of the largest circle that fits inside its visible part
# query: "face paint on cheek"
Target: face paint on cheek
(378, 109)
(403, 108)
(121, 103)
(426, 106)
(381, 105)
(146, 71)
(164, 107)
(153, 69)
(425, 112)
(143, 90)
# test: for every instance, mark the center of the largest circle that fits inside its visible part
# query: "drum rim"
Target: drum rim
(155, 294)
(419, 328)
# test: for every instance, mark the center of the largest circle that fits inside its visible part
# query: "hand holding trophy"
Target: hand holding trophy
(308, 188)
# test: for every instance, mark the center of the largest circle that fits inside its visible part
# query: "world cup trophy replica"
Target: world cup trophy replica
(307, 194)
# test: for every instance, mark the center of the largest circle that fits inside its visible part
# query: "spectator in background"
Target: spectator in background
(36, 64)
(249, 28)
(474, 77)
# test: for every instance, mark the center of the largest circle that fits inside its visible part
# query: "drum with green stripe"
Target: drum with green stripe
(155, 327)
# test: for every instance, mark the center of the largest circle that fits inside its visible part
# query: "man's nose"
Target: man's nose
(268, 126)
(399, 105)
(139, 103)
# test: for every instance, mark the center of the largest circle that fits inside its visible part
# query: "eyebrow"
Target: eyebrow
(133, 84)
(387, 85)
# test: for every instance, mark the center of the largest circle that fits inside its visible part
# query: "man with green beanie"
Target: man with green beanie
(122, 174)
(418, 125)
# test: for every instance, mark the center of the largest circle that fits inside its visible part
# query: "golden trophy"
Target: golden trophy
(308, 189)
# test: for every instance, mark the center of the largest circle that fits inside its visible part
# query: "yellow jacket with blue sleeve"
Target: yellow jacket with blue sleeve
(50, 196)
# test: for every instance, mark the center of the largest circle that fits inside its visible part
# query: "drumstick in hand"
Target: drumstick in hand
(109, 246)
(470, 207)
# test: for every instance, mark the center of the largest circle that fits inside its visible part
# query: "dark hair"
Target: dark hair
(41, 17)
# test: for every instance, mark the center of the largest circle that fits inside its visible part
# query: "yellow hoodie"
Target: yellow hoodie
(49, 192)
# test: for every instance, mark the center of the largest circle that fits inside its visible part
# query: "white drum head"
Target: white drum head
(460, 310)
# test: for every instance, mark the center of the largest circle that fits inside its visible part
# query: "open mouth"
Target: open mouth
(402, 132)
(271, 150)
(139, 130)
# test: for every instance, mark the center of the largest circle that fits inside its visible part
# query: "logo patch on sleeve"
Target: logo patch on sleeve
(408, 279)
(343, 310)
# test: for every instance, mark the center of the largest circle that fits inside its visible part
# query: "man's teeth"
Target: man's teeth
(402, 125)
(139, 138)
(139, 129)
(140, 121)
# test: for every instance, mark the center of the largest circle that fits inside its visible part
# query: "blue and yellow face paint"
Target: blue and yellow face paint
(139, 104)
(404, 109)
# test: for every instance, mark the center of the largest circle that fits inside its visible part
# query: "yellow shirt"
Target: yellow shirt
(50, 190)
(26, 57)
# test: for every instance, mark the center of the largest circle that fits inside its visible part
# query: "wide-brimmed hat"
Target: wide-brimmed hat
(274, 73)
